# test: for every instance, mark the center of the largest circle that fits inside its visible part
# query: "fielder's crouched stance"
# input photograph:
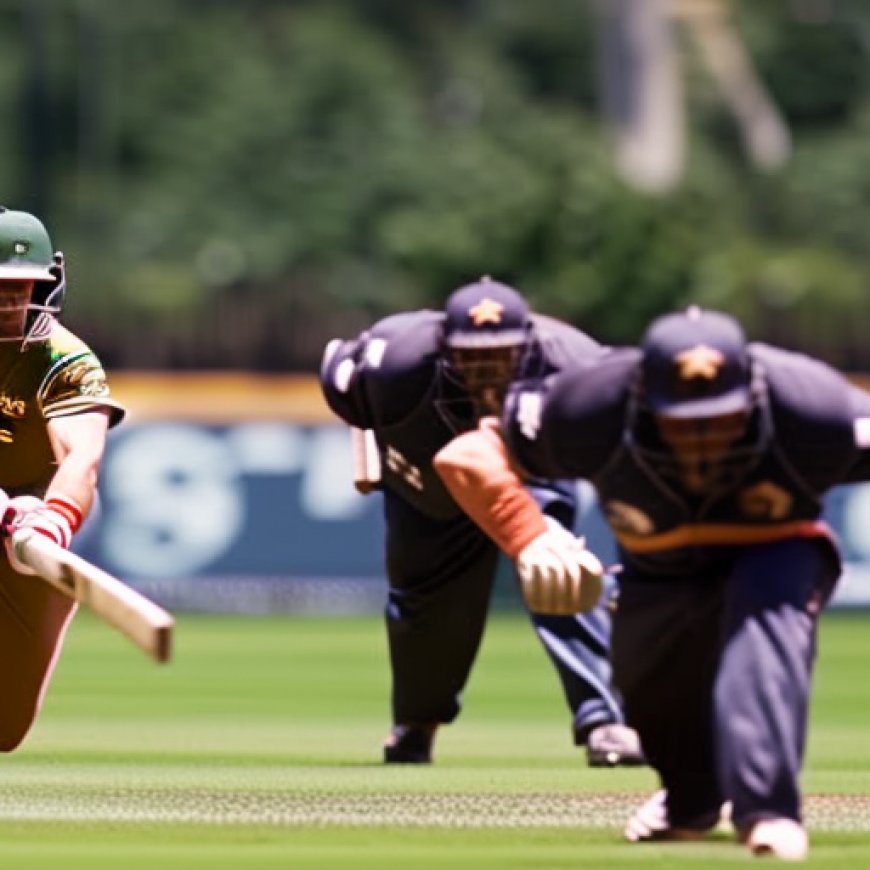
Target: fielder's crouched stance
(710, 457)
(55, 411)
(412, 382)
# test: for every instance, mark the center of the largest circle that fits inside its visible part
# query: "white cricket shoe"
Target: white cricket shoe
(650, 822)
(779, 838)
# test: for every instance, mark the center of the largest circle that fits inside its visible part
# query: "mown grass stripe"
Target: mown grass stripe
(477, 811)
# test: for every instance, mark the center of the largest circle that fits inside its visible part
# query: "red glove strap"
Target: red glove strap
(68, 509)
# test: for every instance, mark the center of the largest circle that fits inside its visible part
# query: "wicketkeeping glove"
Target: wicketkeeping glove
(558, 575)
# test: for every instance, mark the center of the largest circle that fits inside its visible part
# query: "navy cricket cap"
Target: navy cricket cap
(695, 364)
(485, 314)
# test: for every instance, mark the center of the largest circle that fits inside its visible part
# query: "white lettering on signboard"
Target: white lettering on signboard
(172, 500)
(175, 498)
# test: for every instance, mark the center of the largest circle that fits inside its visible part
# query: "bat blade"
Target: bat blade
(142, 621)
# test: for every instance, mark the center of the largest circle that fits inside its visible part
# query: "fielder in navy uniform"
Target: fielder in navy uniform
(414, 380)
(710, 457)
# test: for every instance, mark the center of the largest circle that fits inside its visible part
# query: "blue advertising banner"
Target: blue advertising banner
(262, 516)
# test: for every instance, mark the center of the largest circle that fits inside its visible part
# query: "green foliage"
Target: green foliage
(814, 63)
(301, 167)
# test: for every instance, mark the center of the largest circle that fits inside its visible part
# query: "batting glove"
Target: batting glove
(58, 518)
(558, 575)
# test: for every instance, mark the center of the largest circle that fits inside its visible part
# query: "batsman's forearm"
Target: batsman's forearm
(476, 469)
(77, 480)
(78, 442)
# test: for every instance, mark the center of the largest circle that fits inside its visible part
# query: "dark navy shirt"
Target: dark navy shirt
(392, 379)
(809, 431)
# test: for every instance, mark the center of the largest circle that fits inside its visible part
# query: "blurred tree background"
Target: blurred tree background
(234, 182)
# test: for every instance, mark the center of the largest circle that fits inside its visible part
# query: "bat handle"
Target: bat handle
(366, 460)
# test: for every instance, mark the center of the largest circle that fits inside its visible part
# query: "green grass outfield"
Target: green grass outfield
(259, 747)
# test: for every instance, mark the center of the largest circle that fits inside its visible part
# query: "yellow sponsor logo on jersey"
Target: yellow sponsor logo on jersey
(766, 501)
(10, 407)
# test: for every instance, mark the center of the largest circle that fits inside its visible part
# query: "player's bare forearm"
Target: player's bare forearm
(479, 474)
(78, 442)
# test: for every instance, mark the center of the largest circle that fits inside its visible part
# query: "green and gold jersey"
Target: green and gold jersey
(52, 378)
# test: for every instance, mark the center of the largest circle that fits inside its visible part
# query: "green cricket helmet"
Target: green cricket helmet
(26, 254)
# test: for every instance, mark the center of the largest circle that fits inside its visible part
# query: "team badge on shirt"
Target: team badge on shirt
(766, 501)
(624, 517)
(81, 379)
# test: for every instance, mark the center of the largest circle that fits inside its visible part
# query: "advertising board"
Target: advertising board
(246, 504)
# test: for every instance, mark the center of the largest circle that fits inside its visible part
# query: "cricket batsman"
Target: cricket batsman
(55, 410)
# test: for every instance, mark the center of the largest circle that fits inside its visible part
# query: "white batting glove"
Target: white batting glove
(17, 509)
(57, 519)
(558, 575)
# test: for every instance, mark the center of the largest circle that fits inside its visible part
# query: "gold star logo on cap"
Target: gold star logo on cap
(699, 362)
(486, 311)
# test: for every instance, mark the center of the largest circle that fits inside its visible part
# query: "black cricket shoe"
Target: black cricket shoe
(410, 744)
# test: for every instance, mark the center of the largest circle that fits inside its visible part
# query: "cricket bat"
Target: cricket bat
(366, 460)
(135, 616)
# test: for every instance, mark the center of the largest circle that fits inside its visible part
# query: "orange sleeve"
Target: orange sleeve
(478, 472)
